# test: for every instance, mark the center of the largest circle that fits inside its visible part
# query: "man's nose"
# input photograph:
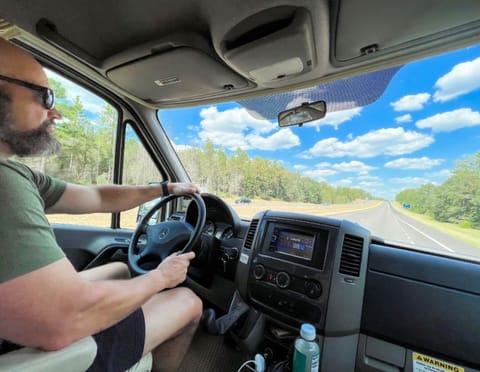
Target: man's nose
(54, 114)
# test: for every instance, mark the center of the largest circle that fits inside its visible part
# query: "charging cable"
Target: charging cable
(259, 362)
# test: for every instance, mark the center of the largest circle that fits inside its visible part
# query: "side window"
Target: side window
(138, 169)
(87, 137)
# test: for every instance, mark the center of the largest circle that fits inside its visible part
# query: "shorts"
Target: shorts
(120, 346)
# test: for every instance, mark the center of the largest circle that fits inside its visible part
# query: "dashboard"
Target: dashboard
(374, 304)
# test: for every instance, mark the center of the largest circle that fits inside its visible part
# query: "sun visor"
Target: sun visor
(368, 29)
(274, 50)
(177, 74)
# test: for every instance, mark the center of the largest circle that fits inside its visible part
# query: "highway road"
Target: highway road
(385, 222)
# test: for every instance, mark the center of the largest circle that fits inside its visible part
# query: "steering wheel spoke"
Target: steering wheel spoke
(166, 237)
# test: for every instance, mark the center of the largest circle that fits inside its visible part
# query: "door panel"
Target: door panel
(87, 246)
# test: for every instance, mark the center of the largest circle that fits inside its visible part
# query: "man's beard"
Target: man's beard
(26, 143)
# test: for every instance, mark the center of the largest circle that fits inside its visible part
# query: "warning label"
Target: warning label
(424, 363)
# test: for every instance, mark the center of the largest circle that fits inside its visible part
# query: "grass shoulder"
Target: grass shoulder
(470, 236)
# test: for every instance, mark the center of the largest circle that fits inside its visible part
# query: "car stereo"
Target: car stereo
(293, 243)
(298, 244)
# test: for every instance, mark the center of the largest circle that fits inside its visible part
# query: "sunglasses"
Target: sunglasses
(46, 94)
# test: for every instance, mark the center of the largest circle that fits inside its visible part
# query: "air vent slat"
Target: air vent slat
(351, 258)
(251, 234)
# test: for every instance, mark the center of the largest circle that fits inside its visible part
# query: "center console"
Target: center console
(289, 273)
(294, 268)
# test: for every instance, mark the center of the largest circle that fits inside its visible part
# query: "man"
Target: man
(45, 303)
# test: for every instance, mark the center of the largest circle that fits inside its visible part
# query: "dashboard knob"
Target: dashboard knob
(259, 271)
(282, 279)
(313, 289)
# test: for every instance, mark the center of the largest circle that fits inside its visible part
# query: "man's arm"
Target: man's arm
(53, 306)
(112, 198)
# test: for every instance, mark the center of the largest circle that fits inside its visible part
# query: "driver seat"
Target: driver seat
(76, 357)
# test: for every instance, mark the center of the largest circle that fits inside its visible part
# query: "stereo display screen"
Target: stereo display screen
(293, 244)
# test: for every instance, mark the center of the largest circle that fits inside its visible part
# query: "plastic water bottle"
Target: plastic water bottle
(306, 357)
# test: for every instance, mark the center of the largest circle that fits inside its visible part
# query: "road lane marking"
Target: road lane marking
(428, 236)
(395, 215)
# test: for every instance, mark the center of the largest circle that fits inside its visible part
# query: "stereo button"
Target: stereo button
(259, 272)
(282, 279)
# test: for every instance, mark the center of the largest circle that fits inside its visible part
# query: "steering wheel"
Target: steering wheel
(166, 237)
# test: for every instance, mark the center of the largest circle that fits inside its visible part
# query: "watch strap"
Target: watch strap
(164, 185)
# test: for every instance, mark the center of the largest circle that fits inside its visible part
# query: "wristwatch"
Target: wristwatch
(164, 185)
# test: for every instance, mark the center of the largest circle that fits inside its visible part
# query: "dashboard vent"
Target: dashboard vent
(251, 234)
(351, 255)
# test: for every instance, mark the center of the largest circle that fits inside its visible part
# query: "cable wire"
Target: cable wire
(246, 365)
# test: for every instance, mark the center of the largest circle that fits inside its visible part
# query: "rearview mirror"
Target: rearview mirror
(302, 114)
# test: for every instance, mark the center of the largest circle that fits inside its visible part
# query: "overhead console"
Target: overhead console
(298, 268)
(272, 45)
(174, 70)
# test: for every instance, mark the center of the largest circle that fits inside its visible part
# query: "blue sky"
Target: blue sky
(428, 117)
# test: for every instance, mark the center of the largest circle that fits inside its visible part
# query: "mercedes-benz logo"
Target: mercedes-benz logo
(163, 233)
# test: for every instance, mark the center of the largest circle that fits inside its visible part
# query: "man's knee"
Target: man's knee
(192, 302)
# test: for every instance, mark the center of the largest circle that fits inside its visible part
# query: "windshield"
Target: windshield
(402, 142)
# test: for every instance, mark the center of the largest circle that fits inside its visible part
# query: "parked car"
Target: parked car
(193, 90)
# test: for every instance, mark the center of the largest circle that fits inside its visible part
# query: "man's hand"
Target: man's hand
(174, 268)
(182, 188)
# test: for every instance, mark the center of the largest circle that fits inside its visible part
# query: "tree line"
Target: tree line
(237, 174)
(457, 200)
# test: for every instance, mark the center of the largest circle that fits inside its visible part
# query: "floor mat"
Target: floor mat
(209, 353)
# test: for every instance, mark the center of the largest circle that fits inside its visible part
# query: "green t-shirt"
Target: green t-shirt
(27, 241)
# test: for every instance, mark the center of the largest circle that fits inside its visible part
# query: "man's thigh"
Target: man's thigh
(113, 270)
(168, 313)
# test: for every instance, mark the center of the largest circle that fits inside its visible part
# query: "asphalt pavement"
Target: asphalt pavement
(385, 222)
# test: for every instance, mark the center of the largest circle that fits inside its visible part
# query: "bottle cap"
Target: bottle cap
(307, 331)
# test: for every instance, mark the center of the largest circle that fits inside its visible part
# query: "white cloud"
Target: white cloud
(336, 118)
(353, 166)
(300, 167)
(389, 141)
(325, 169)
(443, 174)
(319, 173)
(409, 181)
(368, 177)
(413, 102)
(370, 185)
(180, 148)
(414, 163)
(236, 128)
(344, 182)
(461, 79)
(407, 118)
(283, 139)
(451, 120)
(236, 120)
